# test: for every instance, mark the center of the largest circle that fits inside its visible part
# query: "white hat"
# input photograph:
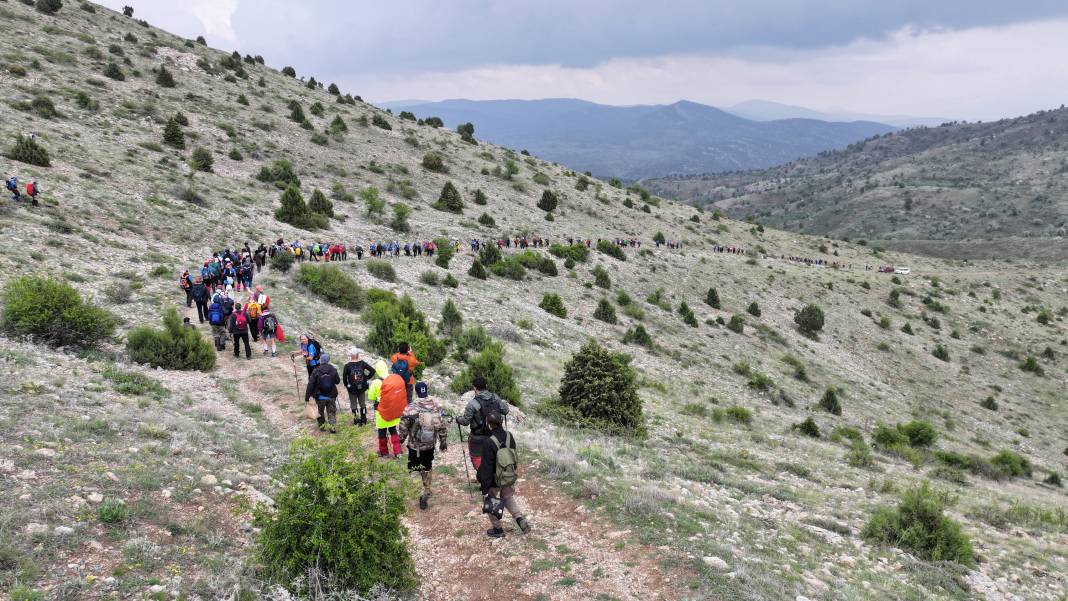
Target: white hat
(354, 351)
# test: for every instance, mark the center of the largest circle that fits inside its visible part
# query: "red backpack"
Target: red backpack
(29, 189)
(240, 320)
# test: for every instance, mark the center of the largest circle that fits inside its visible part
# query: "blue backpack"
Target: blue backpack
(13, 184)
(401, 369)
(216, 317)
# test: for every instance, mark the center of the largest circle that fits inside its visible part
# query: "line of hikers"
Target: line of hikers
(405, 413)
(33, 190)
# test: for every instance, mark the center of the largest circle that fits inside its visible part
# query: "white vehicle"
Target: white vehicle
(902, 270)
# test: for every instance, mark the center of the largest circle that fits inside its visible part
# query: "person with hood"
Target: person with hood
(239, 330)
(478, 409)
(422, 426)
(497, 477)
(322, 385)
(391, 403)
(404, 364)
(357, 379)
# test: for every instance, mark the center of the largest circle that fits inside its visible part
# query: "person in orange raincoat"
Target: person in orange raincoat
(392, 400)
(404, 353)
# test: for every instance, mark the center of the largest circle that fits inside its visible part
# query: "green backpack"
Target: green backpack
(507, 462)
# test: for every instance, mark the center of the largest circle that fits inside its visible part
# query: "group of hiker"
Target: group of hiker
(33, 190)
(406, 414)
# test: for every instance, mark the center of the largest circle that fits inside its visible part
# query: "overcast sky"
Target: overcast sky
(970, 59)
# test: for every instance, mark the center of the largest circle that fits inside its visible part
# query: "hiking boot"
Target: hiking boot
(355, 421)
(495, 533)
(524, 527)
(274, 354)
(265, 351)
(423, 501)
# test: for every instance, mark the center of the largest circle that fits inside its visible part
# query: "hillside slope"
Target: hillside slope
(1006, 180)
(633, 142)
(725, 495)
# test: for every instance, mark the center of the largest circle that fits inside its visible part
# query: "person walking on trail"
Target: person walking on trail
(322, 386)
(497, 477)
(475, 415)
(186, 282)
(404, 364)
(217, 320)
(388, 411)
(357, 379)
(310, 349)
(33, 190)
(239, 330)
(200, 297)
(261, 297)
(13, 188)
(422, 426)
(269, 329)
(254, 312)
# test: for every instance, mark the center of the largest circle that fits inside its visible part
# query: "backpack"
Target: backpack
(240, 321)
(506, 473)
(325, 384)
(270, 322)
(479, 427)
(401, 369)
(205, 273)
(13, 184)
(215, 314)
(253, 309)
(426, 428)
(30, 189)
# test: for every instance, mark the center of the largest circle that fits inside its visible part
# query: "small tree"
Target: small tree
(450, 199)
(489, 363)
(112, 71)
(599, 389)
(829, 402)
(554, 305)
(380, 122)
(638, 336)
(736, 324)
(296, 213)
(605, 312)
(444, 252)
(432, 161)
(753, 309)
(173, 135)
(49, 7)
(467, 132)
(374, 203)
(487, 220)
(712, 298)
(128, 11)
(601, 278)
(289, 71)
(548, 201)
(688, 316)
(53, 312)
(919, 525)
(173, 347)
(809, 320)
(27, 150)
(201, 159)
(659, 238)
(452, 322)
(479, 197)
(164, 78)
(333, 89)
(319, 203)
(477, 270)
(338, 126)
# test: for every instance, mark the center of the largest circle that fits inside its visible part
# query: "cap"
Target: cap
(324, 358)
(421, 390)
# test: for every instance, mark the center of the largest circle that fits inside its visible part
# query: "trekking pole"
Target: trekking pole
(296, 380)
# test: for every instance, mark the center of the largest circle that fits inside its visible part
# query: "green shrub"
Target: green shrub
(601, 278)
(919, 433)
(807, 427)
(829, 401)
(430, 278)
(489, 363)
(809, 320)
(1054, 479)
(487, 220)
(887, 436)
(452, 322)
(576, 252)
(173, 347)
(989, 403)
(1030, 364)
(42, 105)
(444, 252)
(282, 261)
(295, 212)
(599, 390)
(337, 509)
(112, 71)
(432, 161)
(638, 336)
(320, 204)
(332, 285)
(165, 79)
(688, 316)
(552, 304)
(548, 201)
(907, 328)
(940, 352)
(477, 270)
(753, 309)
(201, 159)
(280, 173)
(479, 197)
(859, 455)
(712, 298)
(53, 312)
(611, 249)
(382, 270)
(760, 381)
(449, 199)
(450, 281)
(738, 414)
(605, 312)
(379, 121)
(27, 150)
(1011, 464)
(112, 511)
(173, 135)
(393, 321)
(918, 525)
(736, 324)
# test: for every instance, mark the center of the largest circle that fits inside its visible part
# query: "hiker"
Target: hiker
(200, 297)
(478, 409)
(322, 384)
(262, 298)
(217, 320)
(388, 409)
(310, 349)
(422, 425)
(254, 312)
(186, 283)
(271, 331)
(497, 477)
(188, 324)
(404, 364)
(33, 190)
(239, 330)
(357, 379)
(13, 188)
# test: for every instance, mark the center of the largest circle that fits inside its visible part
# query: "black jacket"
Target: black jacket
(487, 470)
(200, 293)
(314, 390)
(357, 375)
(234, 328)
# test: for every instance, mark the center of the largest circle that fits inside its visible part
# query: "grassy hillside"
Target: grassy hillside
(724, 495)
(1005, 181)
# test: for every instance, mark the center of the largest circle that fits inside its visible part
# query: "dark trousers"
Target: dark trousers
(474, 448)
(254, 328)
(202, 311)
(188, 297)
(242, 337)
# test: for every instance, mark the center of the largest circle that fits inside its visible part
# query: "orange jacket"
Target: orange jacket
(412, 363)
(393, 398)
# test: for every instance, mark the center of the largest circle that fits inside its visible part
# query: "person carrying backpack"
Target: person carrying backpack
(310, 349)
(388, 410)
(254, 311)
(186, 283)
(404, 364)
(200, 297)
(269, 329)
(497, 477)
(357, 379)
(423, 426)
(322, 385)
(475, 415)
(217, 320)
(33, 190)
(13, 188)
(239, 330)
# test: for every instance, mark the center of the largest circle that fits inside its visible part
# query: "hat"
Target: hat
(421, 390)
(324, 358)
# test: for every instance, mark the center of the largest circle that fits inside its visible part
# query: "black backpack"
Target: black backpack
(325, 384)
(486, 406)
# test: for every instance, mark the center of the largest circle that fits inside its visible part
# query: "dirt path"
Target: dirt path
(570, 554)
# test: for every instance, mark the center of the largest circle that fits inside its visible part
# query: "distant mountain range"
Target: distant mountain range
(765, 110)
(635, 142)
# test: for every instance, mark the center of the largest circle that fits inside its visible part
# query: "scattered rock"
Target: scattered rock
(35, 528)
(715, 563)
(63, 530)
(209, 480)
(45, 452)
(95, 497)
